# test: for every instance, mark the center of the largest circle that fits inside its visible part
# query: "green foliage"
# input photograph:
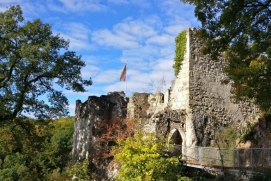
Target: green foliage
(80, 171)
(62, 141)
(226, 138)
(240, 29)
(32, 61)
(142, 158)
(35, 150)
(180, 41)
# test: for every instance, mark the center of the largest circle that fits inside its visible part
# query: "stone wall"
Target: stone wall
(209, 98)
(143, 105)
(138, 105)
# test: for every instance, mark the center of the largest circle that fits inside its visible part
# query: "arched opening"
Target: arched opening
(176, 137)
(175, 143)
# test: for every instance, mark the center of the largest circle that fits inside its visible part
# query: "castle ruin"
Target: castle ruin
(189, 110)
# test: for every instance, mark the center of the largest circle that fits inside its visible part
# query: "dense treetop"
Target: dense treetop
(240, 29)
(32, 62)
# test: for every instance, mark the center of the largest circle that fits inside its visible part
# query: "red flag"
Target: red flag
(123, 74)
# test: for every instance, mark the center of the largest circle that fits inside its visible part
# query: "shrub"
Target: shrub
(142, 157)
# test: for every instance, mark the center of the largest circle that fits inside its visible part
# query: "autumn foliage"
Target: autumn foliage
(111, 131)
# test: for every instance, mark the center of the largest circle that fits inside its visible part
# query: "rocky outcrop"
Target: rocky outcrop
(89, 116)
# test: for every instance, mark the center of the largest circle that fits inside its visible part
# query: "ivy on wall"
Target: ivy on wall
(180, 41)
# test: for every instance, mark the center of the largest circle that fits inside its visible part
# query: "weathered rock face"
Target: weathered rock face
(203, 126)
(86, 130)
(259, 134)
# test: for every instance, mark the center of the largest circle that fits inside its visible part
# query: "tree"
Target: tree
(142, 158)
(62, 141)
(32, 62)
(241, 30)
(23, 159)
(36, 149)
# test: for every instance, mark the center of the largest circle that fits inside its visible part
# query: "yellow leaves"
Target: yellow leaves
(260, 66)
(257, 64)
(141, 158)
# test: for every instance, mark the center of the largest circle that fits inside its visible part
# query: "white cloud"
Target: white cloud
(10, 1)
(127, 34)
(136, 82)
(176, 29)
(140, 3)
(164, 39)
(121, 86)
(179, 14)
(147, 52)
(83, 5)
(76, 44)
(89, 59)
(120, 2)
(176, 8)
(5, 2)
(107, 38)
(167, 51)
(136, 63)
(107, 76)
(56, 8)
(162, 68)
(137, 28)
(77, 34)
(89, 71)
(3, 8)
(77, 30)
(30, 9)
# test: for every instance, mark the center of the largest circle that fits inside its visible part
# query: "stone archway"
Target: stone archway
(176, 137)
(175, 142)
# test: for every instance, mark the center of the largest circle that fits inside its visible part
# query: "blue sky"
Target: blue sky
(109, 33)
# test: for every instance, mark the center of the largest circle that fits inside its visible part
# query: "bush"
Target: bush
(80, 171)
(142, 158)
